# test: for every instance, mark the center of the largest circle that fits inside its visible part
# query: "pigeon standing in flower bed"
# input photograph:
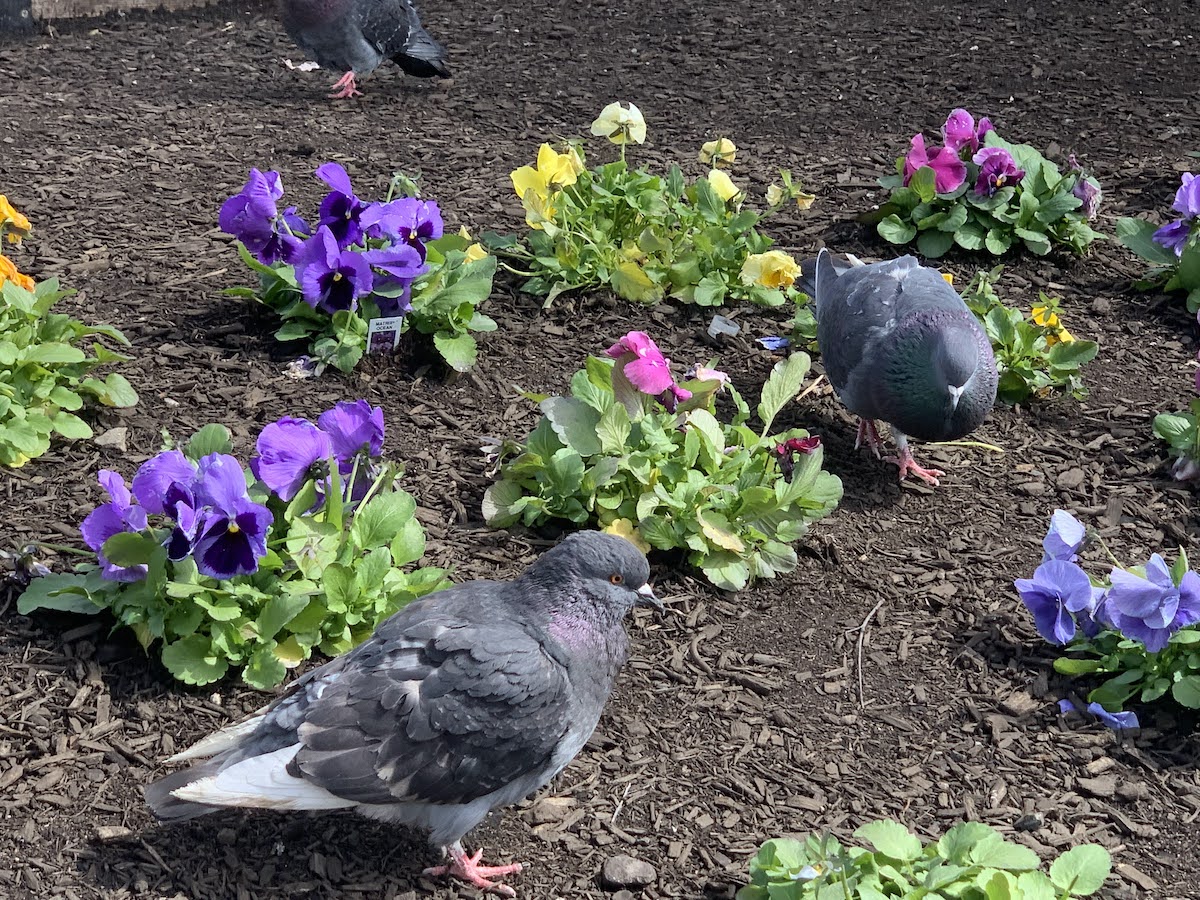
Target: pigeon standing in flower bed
(355, 36)
(899, 344)
(466, 700)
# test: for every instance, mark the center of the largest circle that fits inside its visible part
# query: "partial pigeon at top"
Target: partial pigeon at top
(466, 700)
(355, 36)
(899, 344)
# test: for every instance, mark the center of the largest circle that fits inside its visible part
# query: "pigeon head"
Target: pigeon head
(603, 569)
(942, 376)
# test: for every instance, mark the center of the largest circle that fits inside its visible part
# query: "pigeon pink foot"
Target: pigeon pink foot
(908, 466)
(467, 868)
(345, 87)
(868, 434)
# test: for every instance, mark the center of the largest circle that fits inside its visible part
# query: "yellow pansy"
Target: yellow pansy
(626, 529)
(475, 252)
(719, 153)
(775, 195)
(804, 201)
(619, 125)
(723, 185)
(538, 210)
(554, 172)
(8, 272)
(1044, 316)
(13, 225)
(773, 269)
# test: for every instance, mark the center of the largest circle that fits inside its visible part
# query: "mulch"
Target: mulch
(893, 674)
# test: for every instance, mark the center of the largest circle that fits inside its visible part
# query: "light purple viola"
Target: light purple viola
(290, 452)
(1152, 608)
(1089, 194)
(119, 515)
(401, 264)
(341, 210)
(253, 217)
(1064, 538)
(331, 279)
(961, 133)
(409, 220)
(1118, 721)
(354, 428)
(1057, 591)
(157, 474)
(232, 536)
(997, 168)
(949, 171)
(1174, 235)
(774, 342)
(1187, 198)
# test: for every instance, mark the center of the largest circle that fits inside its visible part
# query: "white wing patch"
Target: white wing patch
(261, 782)
(218, 742)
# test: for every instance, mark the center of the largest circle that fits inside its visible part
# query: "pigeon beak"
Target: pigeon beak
(647, 597)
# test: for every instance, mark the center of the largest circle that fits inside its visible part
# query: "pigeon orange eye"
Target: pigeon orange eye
(616, 579)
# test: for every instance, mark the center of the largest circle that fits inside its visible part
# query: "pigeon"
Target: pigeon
(466, 700)
(899, 344)
(355, 36)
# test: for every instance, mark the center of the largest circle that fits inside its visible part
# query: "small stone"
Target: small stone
(106, 833)
(624, 871)
(550, 809)
(1032, 488)
(116, 438)
(1101, 305)
(1104, 786)
(623, 894)
(1069, 480)
(1132, 790)
(1019, 704)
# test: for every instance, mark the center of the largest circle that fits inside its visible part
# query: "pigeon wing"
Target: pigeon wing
(395, 28)
(444, 711)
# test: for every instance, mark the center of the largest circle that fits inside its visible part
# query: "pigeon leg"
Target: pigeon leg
(868, 434)
(467, 868)
(345, 87)
(908, 465)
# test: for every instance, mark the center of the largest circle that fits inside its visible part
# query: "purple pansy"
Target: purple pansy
(156, 476)
(180, 505)
(1057, 590)
(996, 169)
(774, 342)
(353, 428)
(409, 220)
(1152, 608)
(1187, 198)
(1117, 721)
(289, 452)
(341, 210)
(402, 265)
(960, 131)
(1089, 194)
(253, 218)
(1064, 538)
(120, 514)
(1174, 235)
(949, 171)
(330, 278)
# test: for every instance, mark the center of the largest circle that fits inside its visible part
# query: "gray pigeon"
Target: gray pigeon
(899, 344)
(466, 700)
(355, 36)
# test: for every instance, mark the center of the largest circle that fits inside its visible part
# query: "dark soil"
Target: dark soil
(739, 718)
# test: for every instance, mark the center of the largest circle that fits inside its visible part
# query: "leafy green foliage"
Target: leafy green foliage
(445, 305)
(1040, 212)
(1035, 355)
(45, 375)
(330, 576)
(689, 481)
(645, 236)
(971, 861)
(1181, 431)
(1168, 272)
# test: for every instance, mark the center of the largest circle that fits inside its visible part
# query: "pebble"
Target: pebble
(624, 871)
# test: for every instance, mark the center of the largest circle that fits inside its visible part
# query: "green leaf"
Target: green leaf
(409, 544)
(277, 612)
(498, 502)
(71, 427)
(1066, 665)
(193, 661)
(341, 591)
(1081, 870)
(118, 392)
(1174, 428)
(212, 438)
(1186, 691)
(924, 183)
(62, 592)
(934, 243)
(997, 853)
(613, 429)
(891, 839)
(54, 354)
(1072, 354)
(956, 844)
(1138, 236)
(725, 570)
(264, 669)
(127, 548)
(574, 422)
(630, 281)
(378, 522)
(895, 231)
(997, 242)
(459, 351)
(784, 383)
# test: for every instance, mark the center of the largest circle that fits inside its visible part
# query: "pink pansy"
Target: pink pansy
(960, 130)
(949, 171)
(645, 366)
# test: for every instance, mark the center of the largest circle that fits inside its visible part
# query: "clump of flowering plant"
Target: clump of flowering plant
(644, 236)
(981, 192)
(970, 860)
(1181, 431)
(1035, 354)
(1139, 625)
(229, 568)
(1173, 250)
(639, 453)
(387, 263)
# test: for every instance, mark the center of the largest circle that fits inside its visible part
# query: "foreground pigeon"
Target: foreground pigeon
(899, 344)
(464, 701)
(355, 36)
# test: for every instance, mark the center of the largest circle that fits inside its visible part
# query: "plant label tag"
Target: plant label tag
(383, 334)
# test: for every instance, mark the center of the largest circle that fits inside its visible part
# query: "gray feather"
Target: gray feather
(465, 700)
(895, 338)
